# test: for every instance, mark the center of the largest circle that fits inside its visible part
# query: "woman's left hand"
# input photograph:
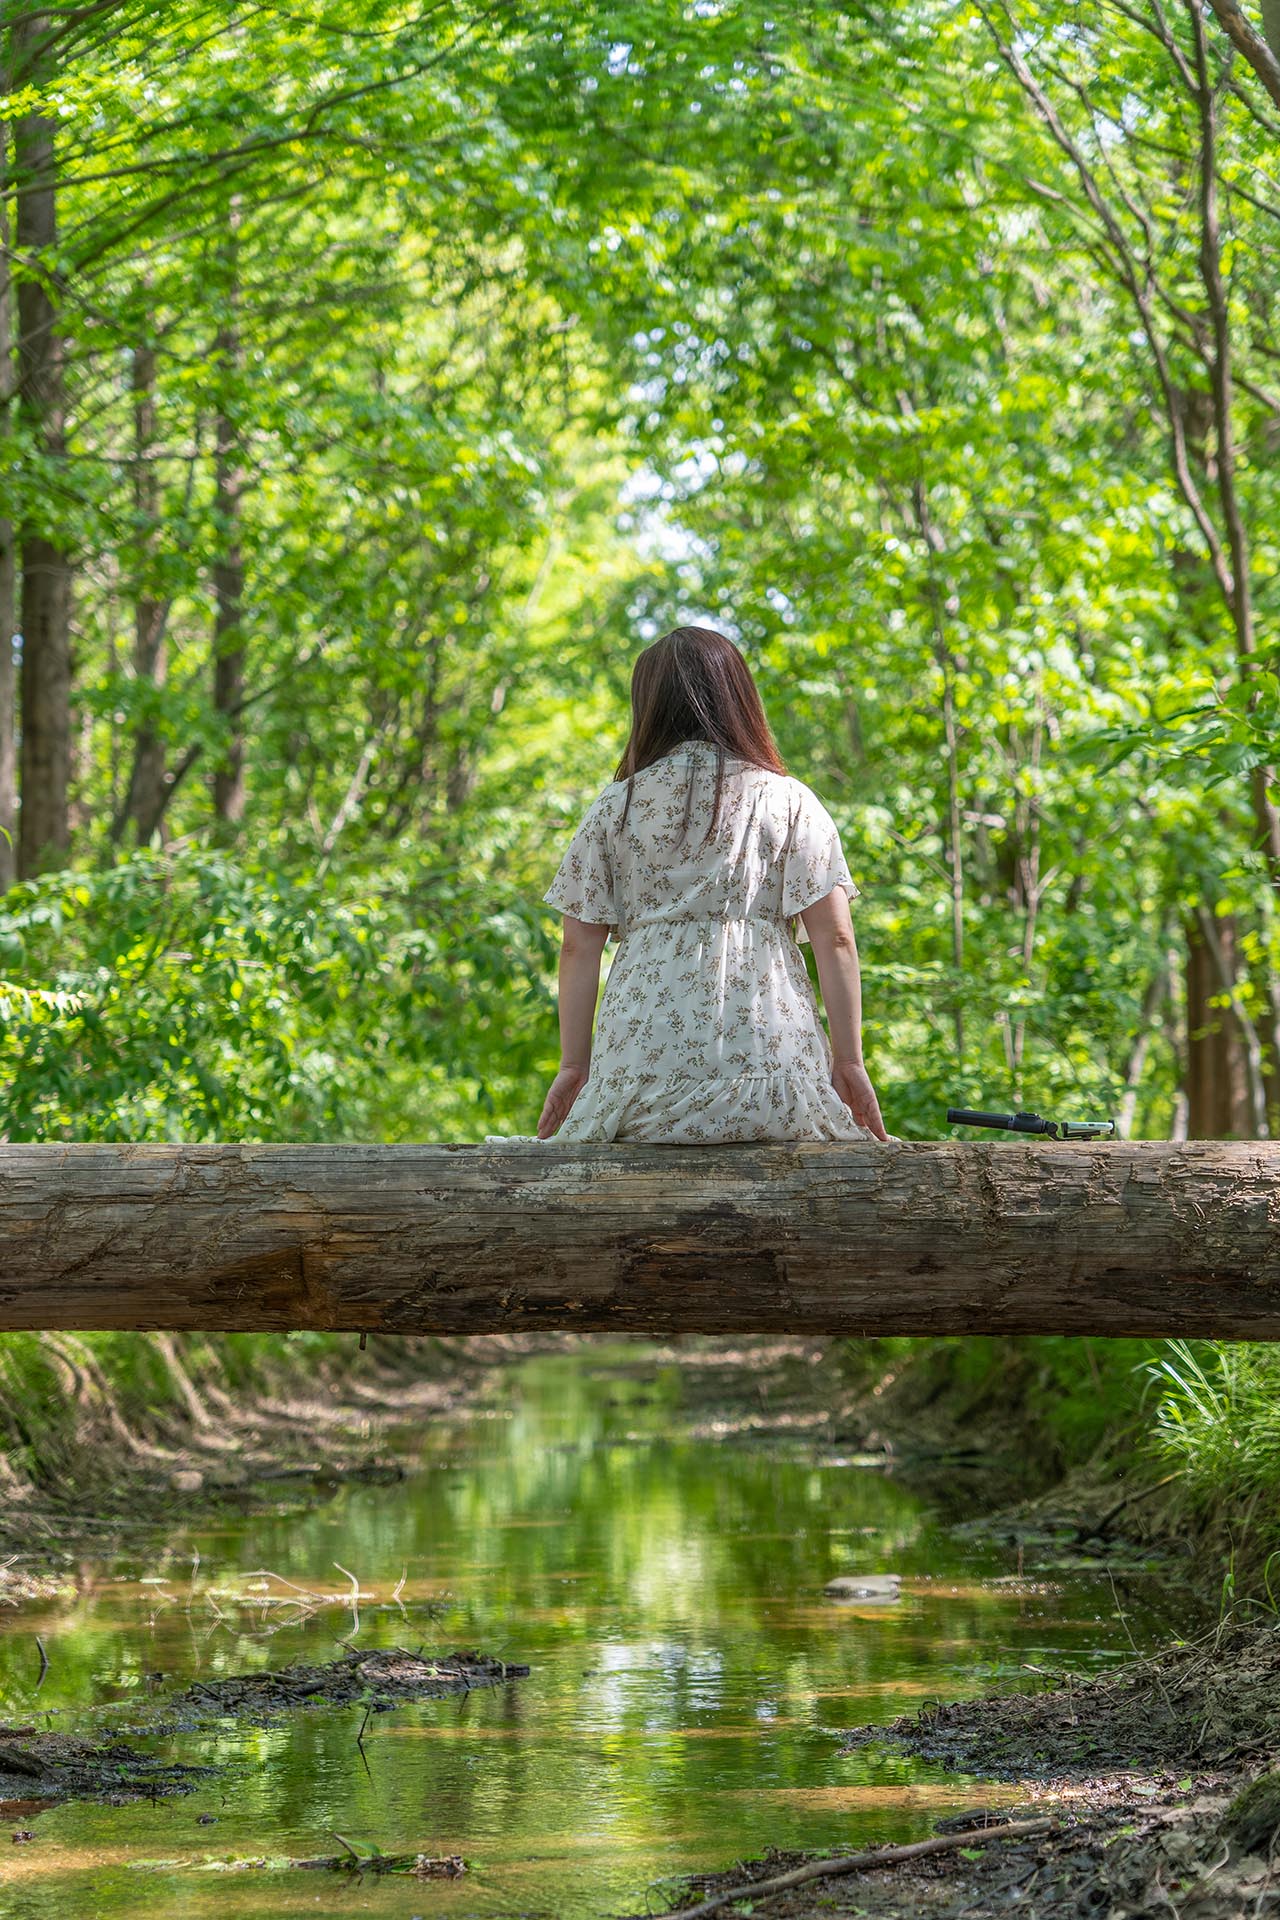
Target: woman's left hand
(561, 1094)
(849, 1078)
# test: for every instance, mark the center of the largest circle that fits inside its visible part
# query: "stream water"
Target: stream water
(689, 1685)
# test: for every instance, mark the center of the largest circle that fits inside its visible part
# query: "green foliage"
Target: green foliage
(514, 377)
(1218, 1421)
(205, 997)
(491, 341)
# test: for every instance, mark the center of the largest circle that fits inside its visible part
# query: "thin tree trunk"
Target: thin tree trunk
(228, 635)
(144, 803)
(8, 709)
(1151, 999)
(228, 571)
(1221, 376)
(955, 846)
(1218, 1098)
(1028, 891)
(8, 558)
(44, 830)
(1219, 938)
(951, 733)
(1271, 1062)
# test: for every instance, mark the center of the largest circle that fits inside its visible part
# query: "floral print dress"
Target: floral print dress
(708, 1029)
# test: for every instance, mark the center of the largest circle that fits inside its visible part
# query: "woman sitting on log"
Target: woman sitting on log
(710, 863)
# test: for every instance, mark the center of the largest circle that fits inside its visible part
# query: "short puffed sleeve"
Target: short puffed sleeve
(584, 882)
(813, 863)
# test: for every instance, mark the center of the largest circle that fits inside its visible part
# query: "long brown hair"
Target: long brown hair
(693, 684)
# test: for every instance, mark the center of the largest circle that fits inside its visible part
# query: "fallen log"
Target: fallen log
(848, 1238)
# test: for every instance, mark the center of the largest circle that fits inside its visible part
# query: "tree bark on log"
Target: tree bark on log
(833, 1237)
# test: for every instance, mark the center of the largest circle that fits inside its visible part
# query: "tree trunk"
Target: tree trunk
(1156, 989)
(1220, 365)
(1218, 1102)
(1261, 50)
(144, 803)
(8, 709)
(44, 831)
(228, 571)
(8, 556)
(1147, 1239)
(228, 636)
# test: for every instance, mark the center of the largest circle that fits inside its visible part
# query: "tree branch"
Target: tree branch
(1127, 272)
(1266, 815)
(1245, 37)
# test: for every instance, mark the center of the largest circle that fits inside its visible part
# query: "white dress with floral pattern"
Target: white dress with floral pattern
(708, 1028)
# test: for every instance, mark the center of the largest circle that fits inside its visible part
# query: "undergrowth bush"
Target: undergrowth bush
(1217, 1421)
(197, 996)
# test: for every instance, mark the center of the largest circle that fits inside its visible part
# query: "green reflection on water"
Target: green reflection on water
(689, 1680)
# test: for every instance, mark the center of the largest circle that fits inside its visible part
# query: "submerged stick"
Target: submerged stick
(855, 1862)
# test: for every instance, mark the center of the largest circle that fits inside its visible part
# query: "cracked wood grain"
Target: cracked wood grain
(840, 1238)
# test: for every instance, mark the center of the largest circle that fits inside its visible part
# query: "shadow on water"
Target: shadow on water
(689, 1685)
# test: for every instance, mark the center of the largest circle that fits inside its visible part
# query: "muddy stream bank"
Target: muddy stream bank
(651, 1534)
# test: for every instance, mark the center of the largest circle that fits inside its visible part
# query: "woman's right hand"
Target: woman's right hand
(561, 1094)
(850, 1080)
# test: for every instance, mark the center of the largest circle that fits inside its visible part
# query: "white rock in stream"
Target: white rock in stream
(882, 1587)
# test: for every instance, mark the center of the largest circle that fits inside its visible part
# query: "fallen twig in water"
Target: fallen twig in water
(355, 1596)
(249, 1593)
(858, 1862)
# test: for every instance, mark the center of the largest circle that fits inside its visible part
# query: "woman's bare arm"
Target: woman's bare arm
(581, 948)
(835, 948)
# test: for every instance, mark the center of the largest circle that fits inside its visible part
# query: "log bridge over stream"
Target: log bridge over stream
(833, 1237)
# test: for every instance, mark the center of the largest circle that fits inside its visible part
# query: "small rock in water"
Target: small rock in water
(187, 1480)
(883, 1587)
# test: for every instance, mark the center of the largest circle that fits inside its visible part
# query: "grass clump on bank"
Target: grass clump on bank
(1217, 1422)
